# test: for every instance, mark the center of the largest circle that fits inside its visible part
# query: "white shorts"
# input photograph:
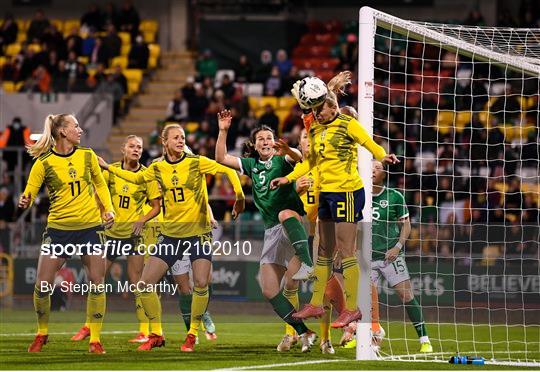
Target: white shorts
(394, 272)
(277, 248)
(182, 266)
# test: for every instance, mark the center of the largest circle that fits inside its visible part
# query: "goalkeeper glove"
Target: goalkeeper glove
(295, 91)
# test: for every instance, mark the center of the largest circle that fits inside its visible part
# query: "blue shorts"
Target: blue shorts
(342, 206)
(117, 247)
(75, 242)
(171, 249)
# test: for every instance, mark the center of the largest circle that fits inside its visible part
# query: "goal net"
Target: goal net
(459, 106)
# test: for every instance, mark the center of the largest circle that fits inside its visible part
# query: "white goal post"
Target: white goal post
(464, 100)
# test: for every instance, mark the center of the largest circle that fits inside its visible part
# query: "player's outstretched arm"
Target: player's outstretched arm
(35, 180)
(222, 157)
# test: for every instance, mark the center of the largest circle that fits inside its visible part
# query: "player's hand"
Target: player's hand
(238, 208)
(214, 223)
(282, 147)
(102, 163)
(24, 201)
(295, 91)
(108, 219)
(278, 182)
(224, 119)
(138, 227)
(392, 254)
(303, 184)
(390, 159)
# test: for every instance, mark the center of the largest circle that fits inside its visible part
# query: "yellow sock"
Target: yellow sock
(144, 325)
(152, 309)
(95, 310)
(325, 322)
(292, 296)
(322, 271)
(351, 278)
(42, 306)
(198, 307)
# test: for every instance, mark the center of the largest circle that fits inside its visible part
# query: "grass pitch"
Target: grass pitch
(247, 342)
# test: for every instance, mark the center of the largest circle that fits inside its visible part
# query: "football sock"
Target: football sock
(42, 306)
(322, 271)
(95, 309)
(292, 296)
(185, 308)
(144, 326)
(334, 293)
(351, 276)
(415, 315)
(325, 322)
(198, 307)
(299, 239)
(152, 309)
(285, 309)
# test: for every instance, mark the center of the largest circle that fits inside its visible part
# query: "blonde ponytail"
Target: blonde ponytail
(51, 129)
(337, 83)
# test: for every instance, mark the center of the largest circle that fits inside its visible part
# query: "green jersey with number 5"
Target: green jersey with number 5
(388, 208)
(271, 202)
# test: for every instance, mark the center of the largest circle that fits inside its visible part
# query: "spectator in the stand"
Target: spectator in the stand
(178, 108)
(227, 86)
(188, 90)
(54, 40)
(531, 212)
(28, 63)
(507, 107)
(198, 105)
(42, 57)
(100, 74)
(92, 19)
(506, 19)
(110, 15)
(100, 54)
(120, 78)
(88, 43)
(60, 77)
(74, 41)
(208, 87)
(283, 62)
(72, 65)
(288, 81)
(7, 215)
(272, 86)
(349, 53)
(475, 18)
(110, 85)
(15, 135)
(41, 80)
(10, 70)
(513, 200)
(269, 118)
(262, 72)
(8, 32)
(112, 41)
(128, 19)
(293, 124)
(206, 65)
(138, 54)
(243, 71)
(37, 26)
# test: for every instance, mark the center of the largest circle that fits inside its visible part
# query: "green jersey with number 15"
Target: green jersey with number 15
(271, 202)
(388, 208)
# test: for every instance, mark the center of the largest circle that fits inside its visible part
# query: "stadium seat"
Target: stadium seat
(149, 37)
(36, 48)
(13, 49)
(83, 59)
(8, 86)
(152, 62)
(258, 103)
(120, 61)
(254, 89)
(124, 50)
(285, 103)
(155, 50)
(148, 25)
(58, 23)
(445, 121)
(133, 87)
(3, 60)
(21, 37)
(220, 74)
(69, 24)
(191, 126)
(133, 75)
(23, 24)
(282, 115)
(125, 37)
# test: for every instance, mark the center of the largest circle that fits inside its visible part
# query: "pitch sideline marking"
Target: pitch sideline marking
(64, 333)
(281, 364)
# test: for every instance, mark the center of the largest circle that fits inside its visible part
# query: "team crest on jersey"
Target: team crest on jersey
(384, 203)
(174, 180)
(72, 173)
(268, 164)
(125, 188)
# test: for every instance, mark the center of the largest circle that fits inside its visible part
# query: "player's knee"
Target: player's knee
(200, 282)
(269, 292)
(405, 296)
(285, 215)
(185, 288)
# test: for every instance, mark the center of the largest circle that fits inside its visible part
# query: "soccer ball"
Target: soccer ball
(312, 92)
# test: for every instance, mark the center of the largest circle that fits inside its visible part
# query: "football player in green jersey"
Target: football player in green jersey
(281, 210)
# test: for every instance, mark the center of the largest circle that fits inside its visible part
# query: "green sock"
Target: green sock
(299, 239)
(415, 315)
(284, 309)
(185, 308)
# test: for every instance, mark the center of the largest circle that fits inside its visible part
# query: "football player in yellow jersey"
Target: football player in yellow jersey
(308, 188)
(124, 236)
(334, 140)
(72, 177)
(181, 177)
